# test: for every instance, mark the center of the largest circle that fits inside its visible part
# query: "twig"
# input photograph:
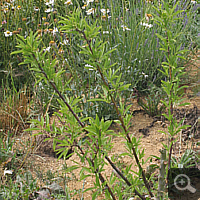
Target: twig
(82, 125)
(161, 176)
(121, 120)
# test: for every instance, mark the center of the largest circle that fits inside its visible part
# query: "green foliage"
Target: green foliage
(103, 67)
(94, 149)
(152, 104)
(6, 145)
(21, 188)
(165, 18)
(187, 160)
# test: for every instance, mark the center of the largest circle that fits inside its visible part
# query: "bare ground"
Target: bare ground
(142, 125)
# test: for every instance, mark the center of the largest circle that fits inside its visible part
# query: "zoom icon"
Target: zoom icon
(182, 182)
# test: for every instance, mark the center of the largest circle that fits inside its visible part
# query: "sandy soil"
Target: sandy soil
(151, 142)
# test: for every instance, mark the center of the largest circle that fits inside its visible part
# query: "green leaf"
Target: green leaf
(96, 99)
(94, 195)
(71, 168)
(184, 104)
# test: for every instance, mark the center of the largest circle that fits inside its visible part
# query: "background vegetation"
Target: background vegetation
(133, 67)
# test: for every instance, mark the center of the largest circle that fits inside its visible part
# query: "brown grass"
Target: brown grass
(14, 111)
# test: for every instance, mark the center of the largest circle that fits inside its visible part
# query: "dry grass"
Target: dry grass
(14, 111)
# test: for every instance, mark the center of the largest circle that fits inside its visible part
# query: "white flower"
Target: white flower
(13, 8)
(25, 35)
(104, 17)
(146, 25)
(50, 2)
(40, 85)
(84, 6)
(89, 1)
(148, 16)
(89, 67)
(55, 30)
(145, 76)
(47, 49)
(8, 33)
(127, 9)
(10, 2)
(48, 10)
(36, 9)
(106, 32)
(69, 2)
(66, 41)
(7, 172)
(90, 11)
(193, 2)
(104, 11)
(125, 28)
(6, 10)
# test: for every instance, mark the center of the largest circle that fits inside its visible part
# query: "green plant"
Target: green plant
(16, 17)
(152, 104)
(22, 188)
(6, 147)
(127, 26)
(93, 150)
(14, 109)
(165, 19)
(92, 141)
(187, 160)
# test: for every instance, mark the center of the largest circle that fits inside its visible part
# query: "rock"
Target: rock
(55, 188)
(43, 194)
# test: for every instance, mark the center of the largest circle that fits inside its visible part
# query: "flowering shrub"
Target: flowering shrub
(92, 55)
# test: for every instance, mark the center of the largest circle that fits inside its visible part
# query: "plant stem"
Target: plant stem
(82, 125)
(171, 104)
(120, 118)
(123, 177)
(161, 177)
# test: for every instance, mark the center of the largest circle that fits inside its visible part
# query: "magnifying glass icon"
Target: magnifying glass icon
(182, 181)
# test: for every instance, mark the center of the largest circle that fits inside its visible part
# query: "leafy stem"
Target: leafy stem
(120, 117)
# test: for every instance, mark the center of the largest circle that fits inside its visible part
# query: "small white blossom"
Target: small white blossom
(89, 1)
(36, 9)
(47, 49)
(40, 85)
(69, 2)
(7, 172)
(8, 33)
(66, 42)
(104, 11)
(106, 32)
(146, 25)
(148, 17)
(104, 17)
(90, 11)
(25, 34)
(89, 67)
(55, 30)
(125, 28)
(145, 76)
(193, 2)
(6, 10)
(48, 10)
(50, 2)
(84, 6)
